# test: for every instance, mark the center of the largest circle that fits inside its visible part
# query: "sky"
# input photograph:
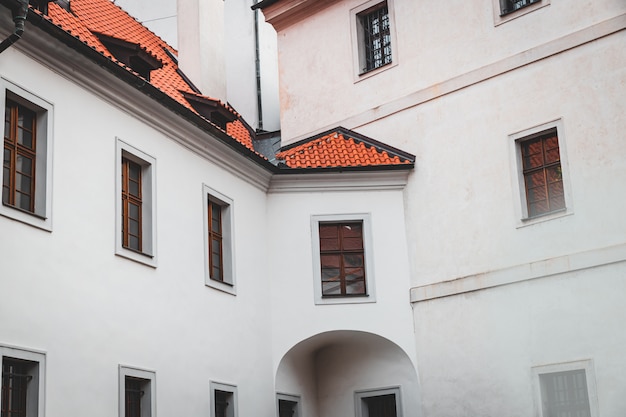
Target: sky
(157, 15)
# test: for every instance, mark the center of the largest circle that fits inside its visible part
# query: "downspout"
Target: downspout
(257, 62)
(19, 13)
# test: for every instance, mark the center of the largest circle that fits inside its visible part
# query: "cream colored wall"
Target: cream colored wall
(493, 296)
(435, 43)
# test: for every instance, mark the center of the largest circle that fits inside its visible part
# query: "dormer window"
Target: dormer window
(131, 54)
(211, 109)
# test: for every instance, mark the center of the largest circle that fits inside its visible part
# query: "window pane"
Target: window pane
(331, 288)
(133, 242)
(355, 287)
(24, 164)
(25, 138)
(329, 237)
(133, 188)
(23, 183)
(133, 227)
(133, 212)
(353, 260)
(216, 218)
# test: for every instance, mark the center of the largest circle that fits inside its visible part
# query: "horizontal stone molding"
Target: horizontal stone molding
(520, 273)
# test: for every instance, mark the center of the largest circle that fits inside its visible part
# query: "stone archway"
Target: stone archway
(326, 370)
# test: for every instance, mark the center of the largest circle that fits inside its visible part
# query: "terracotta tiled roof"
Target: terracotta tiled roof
(342, 148)
(90, 18)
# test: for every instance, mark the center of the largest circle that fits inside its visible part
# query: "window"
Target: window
(22, 383)
(378, 403)
(542, 172)
(543, 176)
(343, 269)
(224, 400)
(510, 6)
(218, 238)
(288, 405)
(506, 10)
(26, 162)
(20, 144)
(136, 219)
(566, 390)
(342, 259)
(131, 205)
(137, 392)
(374, 36)
(374, 24)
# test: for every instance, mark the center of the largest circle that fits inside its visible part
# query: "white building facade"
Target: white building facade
(514, 213)
(112, 305)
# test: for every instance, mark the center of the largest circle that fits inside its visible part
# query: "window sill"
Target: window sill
(139, 257)
(26, 217)
(345, 299)
(365, 75)
(529, 221)
(222, 286)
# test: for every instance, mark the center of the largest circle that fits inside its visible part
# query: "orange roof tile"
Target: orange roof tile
(342, 148)
(88, 18)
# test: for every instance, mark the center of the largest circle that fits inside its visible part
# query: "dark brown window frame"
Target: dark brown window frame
(128, 199)
(216, 272)
(15, 150)
(548, 169)
(342, 252)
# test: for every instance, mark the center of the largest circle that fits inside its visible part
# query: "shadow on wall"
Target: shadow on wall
(327, 372)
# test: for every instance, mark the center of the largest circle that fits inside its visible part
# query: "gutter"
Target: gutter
(19, 12)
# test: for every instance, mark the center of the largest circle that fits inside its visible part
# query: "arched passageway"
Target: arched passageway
(337, 373)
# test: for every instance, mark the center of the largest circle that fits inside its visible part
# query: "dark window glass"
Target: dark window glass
(342, 259)
(216, 259)
(542, 174)
(15, 381)
(381, 406)
(131, 205)
(133, 393)
(376, 37)
(509, 6)
(19, 157)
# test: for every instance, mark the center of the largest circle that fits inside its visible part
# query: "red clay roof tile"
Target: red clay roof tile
(88, 18)
(341, 148)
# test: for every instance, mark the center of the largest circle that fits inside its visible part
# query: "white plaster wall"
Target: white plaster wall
(295, 316)
(476, 350)
(201, 43)
(436, 42)
(66, 292)
(461, 199)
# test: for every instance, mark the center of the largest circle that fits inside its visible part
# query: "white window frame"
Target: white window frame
(586, 365)
(228, 245)
(232, 389)
(361, 395)
(35, 393)
(358, 41)
(497, 11)
(42, 216)
(288, 397)
(148, 181)
(368, 252)
(517, 175)
(148, 400)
